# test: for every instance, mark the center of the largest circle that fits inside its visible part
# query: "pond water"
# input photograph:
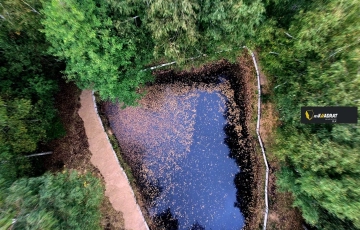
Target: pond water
(176, 142)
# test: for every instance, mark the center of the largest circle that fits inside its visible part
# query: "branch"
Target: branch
(192, 58)
(287, 34)
(274, 53)
(280, 85)
(341, 49)
(3, 17)
(31, 155)
(30, 7)
(132, 18)
(39, 154)
(162, 65)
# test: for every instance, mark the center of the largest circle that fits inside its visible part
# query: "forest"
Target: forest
(309, 50)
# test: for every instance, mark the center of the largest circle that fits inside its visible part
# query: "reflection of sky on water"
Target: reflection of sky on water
(195, 173)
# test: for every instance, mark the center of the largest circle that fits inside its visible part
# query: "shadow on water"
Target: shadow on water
(185, 147)
(165, 220)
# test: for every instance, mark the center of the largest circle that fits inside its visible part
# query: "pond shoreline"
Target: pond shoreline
(237, 114)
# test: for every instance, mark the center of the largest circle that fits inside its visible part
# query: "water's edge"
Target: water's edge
(238, 138)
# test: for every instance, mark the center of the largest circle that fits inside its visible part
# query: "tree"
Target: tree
(27, 114)
(311, 51)
(106, 45)
(178, 33)
(20, 16)
(202, 28)
(20, 134)
(67, 200)
(83, 35)
(321, 177)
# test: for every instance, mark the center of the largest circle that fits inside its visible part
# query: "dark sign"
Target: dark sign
(317, 115)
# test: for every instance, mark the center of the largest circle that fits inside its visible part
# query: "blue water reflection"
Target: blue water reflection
(197, 187)
(205, 192)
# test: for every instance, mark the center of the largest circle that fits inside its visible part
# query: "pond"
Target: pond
(175, 142)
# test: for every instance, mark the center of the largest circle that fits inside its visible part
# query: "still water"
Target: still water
(179, 142)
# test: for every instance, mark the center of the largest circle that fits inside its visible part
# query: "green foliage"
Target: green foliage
(229, 24)
(21, 16)
(178, 33)
(202, 28)
(16, 120)
(326, 176)
(83, 35)
(67, 200)
(19, 134)
(27, 87)
(106, 45)
(28, 119)
(311, 52)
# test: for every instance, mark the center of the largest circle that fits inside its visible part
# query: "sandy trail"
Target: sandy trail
(103, 157)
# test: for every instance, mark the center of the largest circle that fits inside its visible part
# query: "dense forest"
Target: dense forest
(309, 50)
(313, 59)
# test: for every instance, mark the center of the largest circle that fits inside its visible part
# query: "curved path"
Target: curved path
(104, 158)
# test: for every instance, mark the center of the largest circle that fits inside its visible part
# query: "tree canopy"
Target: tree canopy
(84, 37)
(107, 44)
(28, 85)
(67, 200)
(311, 51)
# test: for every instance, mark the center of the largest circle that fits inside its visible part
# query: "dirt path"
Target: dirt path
(103, 157)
